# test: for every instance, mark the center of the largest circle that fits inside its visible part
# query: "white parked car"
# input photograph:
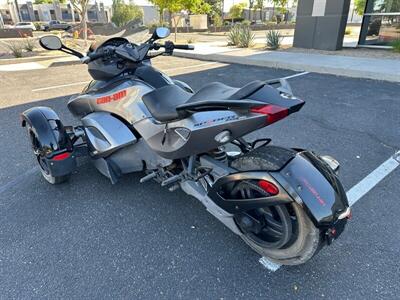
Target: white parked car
(25, 25)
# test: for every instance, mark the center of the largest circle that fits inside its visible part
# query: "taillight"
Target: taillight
(274, 113)
(61, 156)
(269, 187)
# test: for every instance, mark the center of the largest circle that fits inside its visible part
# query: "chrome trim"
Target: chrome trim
(345, 214)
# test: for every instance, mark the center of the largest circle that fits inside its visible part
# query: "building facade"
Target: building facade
(29, 12)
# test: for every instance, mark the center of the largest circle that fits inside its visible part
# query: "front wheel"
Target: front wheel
(284, 233)
(43, 163)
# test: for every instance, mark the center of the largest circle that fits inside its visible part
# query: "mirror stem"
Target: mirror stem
(71, 51)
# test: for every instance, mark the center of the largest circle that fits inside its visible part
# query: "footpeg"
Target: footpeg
(171, 180)
(148, 177)
(173, 188)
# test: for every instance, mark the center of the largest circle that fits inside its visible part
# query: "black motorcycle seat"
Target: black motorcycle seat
(162, 102)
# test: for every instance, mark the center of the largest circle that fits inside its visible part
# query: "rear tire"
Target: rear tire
(305, 241)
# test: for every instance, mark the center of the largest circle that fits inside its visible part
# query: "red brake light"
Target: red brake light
(269, 187)
(274, 113)
(61, 156)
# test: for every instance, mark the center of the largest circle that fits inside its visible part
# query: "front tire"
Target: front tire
(44, 170)
(304, 240)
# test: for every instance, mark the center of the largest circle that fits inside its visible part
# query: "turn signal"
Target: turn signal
(269, 187)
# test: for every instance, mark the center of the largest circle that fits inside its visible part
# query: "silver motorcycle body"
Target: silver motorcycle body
(142, 120)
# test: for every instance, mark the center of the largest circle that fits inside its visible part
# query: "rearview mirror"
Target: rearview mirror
(161, 33)
(50, 42)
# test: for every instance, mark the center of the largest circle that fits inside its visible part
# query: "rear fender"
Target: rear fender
(309, 179)
(303, 178)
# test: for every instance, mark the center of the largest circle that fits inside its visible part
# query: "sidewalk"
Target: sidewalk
(360, 67)
(35, 63)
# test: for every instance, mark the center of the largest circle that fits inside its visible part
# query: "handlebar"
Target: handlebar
(112, 50)
(184, 47)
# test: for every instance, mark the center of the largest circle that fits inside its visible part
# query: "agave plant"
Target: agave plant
(29, 44)
(15, 48)
(274, 39)
(233, 35)
(241, 36)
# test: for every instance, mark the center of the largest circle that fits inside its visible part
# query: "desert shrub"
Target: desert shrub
(241, 36)
(233, 35)
(153, 26)
(396, 45)
(29, 44)
(217, 20)
(190, 40)
(15, 48)
(246, 22)
(274, 39)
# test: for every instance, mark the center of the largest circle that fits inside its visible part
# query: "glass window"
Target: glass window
(382, 6)
(382, 30)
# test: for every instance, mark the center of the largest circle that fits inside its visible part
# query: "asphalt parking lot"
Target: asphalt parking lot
(91, 239)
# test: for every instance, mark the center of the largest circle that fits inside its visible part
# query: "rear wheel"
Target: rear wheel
(284, 233)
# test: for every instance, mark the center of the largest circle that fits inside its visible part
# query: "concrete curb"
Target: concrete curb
(11, 61)
(347, 72)
(65, 63)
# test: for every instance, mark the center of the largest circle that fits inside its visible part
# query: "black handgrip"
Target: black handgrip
(184, 47)
(94, 55)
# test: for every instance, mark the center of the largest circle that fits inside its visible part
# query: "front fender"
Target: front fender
(48, 129)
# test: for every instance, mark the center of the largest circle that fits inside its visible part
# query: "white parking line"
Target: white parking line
(296, 75)
(355, 193)
(373, 178)
(192, 66)
(59, 86)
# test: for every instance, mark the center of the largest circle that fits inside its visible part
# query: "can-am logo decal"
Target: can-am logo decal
(110, 98)
(314, 192)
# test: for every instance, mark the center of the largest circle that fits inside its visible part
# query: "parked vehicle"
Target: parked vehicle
(25, 25)
(56, 25)
(285, 203)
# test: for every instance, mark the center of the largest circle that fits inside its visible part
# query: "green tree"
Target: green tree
(236, 10)
(81, 7)
(201, 8)
(359, 6)
(123, 13)
(259, 5)
(47, 1)
(175, 7)
(216, 7)
(162, 6)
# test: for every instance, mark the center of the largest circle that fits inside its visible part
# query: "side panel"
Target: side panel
(196, 134)
(123, 98)
(106, 134)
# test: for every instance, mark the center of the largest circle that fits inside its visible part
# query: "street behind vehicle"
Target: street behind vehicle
(57, 25)
(285, 203)
(25, 25)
